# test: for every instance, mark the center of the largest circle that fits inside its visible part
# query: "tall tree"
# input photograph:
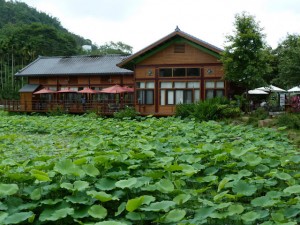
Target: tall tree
(288, 61)
(112, 48)
(246, 58)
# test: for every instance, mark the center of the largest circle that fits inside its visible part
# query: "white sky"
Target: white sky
(139, 23)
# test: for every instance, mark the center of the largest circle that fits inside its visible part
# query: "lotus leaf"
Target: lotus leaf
(97, 211)
(165, 186)
(17, 217)
(250, 216)
(159, 206)
(243, 188)
(174, 216)
(135, 203)
(8, 189)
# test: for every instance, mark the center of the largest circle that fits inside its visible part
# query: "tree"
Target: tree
(246, 57)
(113, 48)
(288, 61)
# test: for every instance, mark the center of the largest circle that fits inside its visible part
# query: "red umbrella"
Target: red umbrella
(129, 89)
(114, 89)
(44, 91)
(87, 91)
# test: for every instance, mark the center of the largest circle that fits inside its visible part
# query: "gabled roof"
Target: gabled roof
(177, 36)
(74, 65)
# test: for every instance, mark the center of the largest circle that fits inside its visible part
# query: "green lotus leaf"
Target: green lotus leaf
(121, 208)
(244, 173)
(189, 170)
(91, 170)
(235, 209)
(250, 216)
(3, 207)
(17, 217)
(133, 204)
(80, 185)
(295, 189)
(110, 223)
(8, 162)
(102, 196)
(148, 199)
(220, 196)
(81, 212)
(67, 186)
(51, 201)
(36, 194)
(105, 184)
(174, 216)
(55, 214)
(159, 206)
(80, 161)
(165, 186)
(243, 188)
(181, 198)
(135, 216)
(278, 217)
(263, 201)
(8, 189)
(97, 211)
(40, 175)
(67, 167)
(291, 212)
(223, 182)
(80, 199)
(251, 159)
(283, 176)
(3, 215)
(126, 183)
(238, 152)
(204, 212)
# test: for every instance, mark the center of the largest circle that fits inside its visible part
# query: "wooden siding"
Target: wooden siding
(192, 55)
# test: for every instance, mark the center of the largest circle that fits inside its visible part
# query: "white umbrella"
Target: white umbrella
(271, 88)
(257, 92)
(294, 89)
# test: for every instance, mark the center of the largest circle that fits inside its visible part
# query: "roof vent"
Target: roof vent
(177, 29)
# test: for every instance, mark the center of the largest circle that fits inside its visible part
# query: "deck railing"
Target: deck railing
(100, 107)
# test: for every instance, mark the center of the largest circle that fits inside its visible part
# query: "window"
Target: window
(214, 89)
(145, 93)
(172, 93)
(179, 72)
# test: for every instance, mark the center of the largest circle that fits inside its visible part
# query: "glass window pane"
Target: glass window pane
(170, 97)
(193, 85)
(188, 97)
(209, 94)
(150, 85)
(140, 84)
(196, 95)
(179, 72)
(165, 72)
(149, 97)
(219, 93)
(162, 97)
(140, 97)
(210, 84)
(195, 72)
(220, 84)
(179, 96)
(179, 84)
(166, 84)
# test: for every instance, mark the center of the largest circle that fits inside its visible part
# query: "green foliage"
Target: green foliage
(91, 170)
(288, 61)
(289, 120)
(210, 109)
(258, 114)
(127, 112)
(112, 48)
(246, 58)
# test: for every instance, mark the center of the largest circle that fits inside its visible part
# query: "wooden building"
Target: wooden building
(178, 68)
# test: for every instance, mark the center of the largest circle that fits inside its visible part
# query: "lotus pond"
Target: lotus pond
(87, 170)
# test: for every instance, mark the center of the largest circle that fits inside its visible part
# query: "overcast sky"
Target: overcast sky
(139, 23)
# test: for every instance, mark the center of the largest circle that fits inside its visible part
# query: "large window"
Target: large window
(172, 93)
(145, 93)
(214, 89)
(179, 72)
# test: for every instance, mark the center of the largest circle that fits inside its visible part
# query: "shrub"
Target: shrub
(210, 109)
(291, 121)
(259, 114)
(127, 112)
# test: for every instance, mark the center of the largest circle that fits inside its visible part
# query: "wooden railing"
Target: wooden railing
(103, 107)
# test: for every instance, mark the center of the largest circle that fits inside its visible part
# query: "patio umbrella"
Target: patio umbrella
(294, 89)
(44, 91)
(116, 89)
(257, 92)
(128, 89)
(87, 91)
(271, 88)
